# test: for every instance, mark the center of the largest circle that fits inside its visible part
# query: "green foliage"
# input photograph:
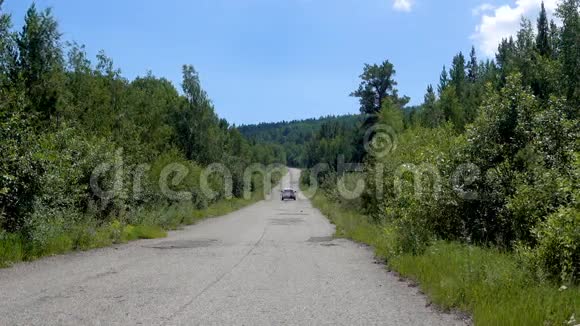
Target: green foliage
(492, 161)
(143, 232)
(569, 51)
(377, 87)
(443, 80)
(409, 233)
(197, 124)
(392, 116)
(18, 171)
(300, 141)
(527, 159)
(68, 127)
(543, 37)
(59, 235)
(451, 108)
(458, 74)
(558, 250)
(40, 61)
(490, 284)
(431, 114)
(170, 162)
(10, 248)
(377, 84)
(473, 67)
(7, 49)
(332, 143)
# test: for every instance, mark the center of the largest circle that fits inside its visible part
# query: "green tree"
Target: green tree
(473, 66)
(430, 96)
(443, 81)
(457, 73)
(431, 114)
(526, 38)
(7, 49)
(543, 37)
(570, 51)
(377, 84)
(80, 82)
(526, 51)
(506, 59)
(40, 61)
(501, 131)
(450, 105)
(196, 122)
(149, 104)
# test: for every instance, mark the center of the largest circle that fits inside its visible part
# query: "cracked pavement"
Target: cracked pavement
(270, 263)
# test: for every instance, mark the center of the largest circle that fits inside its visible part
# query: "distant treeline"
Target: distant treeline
(310, 141)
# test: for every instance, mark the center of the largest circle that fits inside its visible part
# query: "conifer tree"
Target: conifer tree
(431, 116)
(430, 97)
(443, 81)
(543, 37)
(457, 73)
(473, 67)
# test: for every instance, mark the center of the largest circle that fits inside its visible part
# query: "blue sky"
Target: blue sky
(272, 60)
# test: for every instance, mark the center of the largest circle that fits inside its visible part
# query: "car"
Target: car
(288, 194)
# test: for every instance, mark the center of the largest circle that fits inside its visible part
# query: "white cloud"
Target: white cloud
(482, 8)
(501, 22)
(403, 5)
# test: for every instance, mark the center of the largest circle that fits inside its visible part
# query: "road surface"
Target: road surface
(272, 263)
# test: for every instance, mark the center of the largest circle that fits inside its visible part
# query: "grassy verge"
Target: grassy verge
(148, 224)
(486, 283)
(81, 236)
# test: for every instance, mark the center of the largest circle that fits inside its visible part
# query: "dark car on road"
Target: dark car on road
(288, 194)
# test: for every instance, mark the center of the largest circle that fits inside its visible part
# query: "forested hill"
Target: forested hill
(295, 137)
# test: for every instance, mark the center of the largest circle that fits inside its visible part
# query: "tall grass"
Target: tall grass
(10, 248)
(493, 286)
(149, 223)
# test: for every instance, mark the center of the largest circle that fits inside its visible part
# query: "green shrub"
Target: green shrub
(558, 249)
(411, 234)
(172, 160)
(496, 287)
(538, 194)
(67, 160)
(417, 184)
(526, 150)
(47, 232)
(19, 171)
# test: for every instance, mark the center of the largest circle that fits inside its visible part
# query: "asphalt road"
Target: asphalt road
(271, 263)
